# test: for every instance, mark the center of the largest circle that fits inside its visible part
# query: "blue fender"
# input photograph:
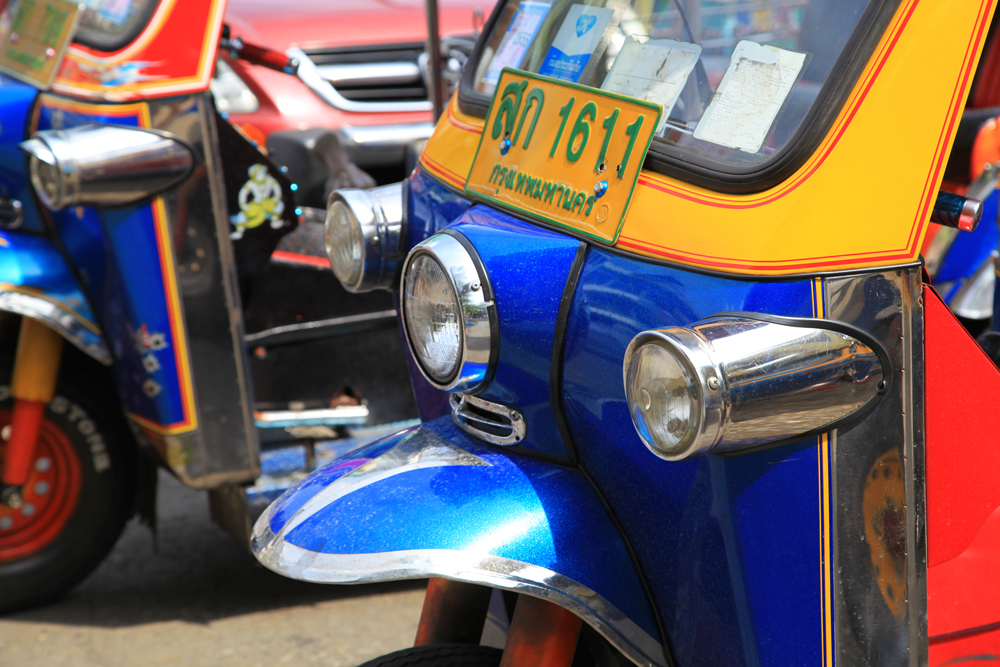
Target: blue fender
(36, 282)
(432, 502)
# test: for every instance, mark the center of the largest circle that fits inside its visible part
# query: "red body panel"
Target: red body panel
(173, 55)
(963, 477)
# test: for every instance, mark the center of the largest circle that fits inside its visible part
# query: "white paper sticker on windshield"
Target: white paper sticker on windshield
(755, 86)
(655, 71)
(575, 42)
(518, 38)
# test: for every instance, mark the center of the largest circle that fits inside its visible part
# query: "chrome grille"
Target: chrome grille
(486, 420)
(377, 73)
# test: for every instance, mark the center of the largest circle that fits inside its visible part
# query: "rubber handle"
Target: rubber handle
(956, 211)
(260, 55)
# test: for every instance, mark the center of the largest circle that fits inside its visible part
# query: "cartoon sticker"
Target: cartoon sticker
(655, 70)
(260, 200)
(755, 86)
(518, 38)
(579, 35)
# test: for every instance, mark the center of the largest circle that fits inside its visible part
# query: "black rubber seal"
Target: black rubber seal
(558, 345)
(832, 325)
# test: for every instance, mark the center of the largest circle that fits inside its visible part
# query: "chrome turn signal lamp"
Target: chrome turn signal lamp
(448, 313)
(104, 165)
(363, 229)
(734, 382)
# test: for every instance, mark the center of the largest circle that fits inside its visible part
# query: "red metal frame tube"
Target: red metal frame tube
(24, 426)
(454, 612)
(542, 634)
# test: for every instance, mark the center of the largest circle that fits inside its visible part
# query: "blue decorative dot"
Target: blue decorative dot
(504, 146)
(296, 187)
(298, 211)
(601, 188)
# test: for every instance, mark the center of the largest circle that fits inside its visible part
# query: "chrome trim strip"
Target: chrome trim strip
(346, 415)
(59, 320)
(507, 418)
(377, 136)
(380, 73)
(291, 333)
(292, 561)
(876, 623)
(311, 75)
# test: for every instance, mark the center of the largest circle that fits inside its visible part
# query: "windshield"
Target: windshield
(736, 78)
(109, 25)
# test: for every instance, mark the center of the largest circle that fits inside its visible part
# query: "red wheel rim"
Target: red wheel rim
(50, 495)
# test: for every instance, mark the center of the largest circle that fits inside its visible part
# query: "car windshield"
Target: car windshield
(736, 78)
(111, 24)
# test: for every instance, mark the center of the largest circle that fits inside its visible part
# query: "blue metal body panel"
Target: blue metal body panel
(124, 257)
(31, 264)
(431, 207)
(721, 539)
(501, 504)
(528, 268)
(18, 99)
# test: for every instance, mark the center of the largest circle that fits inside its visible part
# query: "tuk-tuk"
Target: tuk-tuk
(206, 331)
(688, 396)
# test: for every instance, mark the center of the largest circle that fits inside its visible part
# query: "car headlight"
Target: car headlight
(363, 232)
(733, 383)
(448, 313)
(231, 93)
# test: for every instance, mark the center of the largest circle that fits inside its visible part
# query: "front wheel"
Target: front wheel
(79, 493)
(440, 655)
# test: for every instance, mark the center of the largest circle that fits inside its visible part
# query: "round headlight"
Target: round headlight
(663, 399)
(363, 232)
(448, 313)
(344, 243)
(432, 317)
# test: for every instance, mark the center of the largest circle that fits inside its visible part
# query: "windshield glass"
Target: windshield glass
(112, 24)
(736, 78)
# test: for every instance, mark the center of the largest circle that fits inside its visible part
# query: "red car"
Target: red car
(362, 72)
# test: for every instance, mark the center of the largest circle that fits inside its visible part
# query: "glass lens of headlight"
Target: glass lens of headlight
(433, 317)
(344, 243)
(45, 174)
(662, 398)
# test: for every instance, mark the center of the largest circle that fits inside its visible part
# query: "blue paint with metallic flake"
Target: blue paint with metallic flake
(431, 207)
(528, 268)
(16, 102)
(514, 507)
(731, 546)
(32, 261)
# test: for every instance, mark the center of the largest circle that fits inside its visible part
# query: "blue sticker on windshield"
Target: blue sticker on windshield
(575, 42)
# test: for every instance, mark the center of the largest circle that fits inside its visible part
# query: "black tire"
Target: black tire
(440, 655)
(86, 411)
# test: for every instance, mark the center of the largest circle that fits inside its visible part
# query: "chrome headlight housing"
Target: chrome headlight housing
(104, 165)
(733, 383)
(363, 232)
(449, 314)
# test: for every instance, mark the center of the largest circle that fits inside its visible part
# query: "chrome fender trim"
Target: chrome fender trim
(298, 563)
(58, 317)
(432, 502)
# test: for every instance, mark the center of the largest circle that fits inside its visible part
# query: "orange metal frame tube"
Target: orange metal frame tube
(454, 612)
(36, 370)
(542, 634)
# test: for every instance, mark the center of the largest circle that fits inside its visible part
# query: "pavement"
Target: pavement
(194, 597)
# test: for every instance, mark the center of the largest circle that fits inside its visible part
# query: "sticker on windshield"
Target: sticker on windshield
(655, 71)
(518, 38)
(755, 86)
(579, 35)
